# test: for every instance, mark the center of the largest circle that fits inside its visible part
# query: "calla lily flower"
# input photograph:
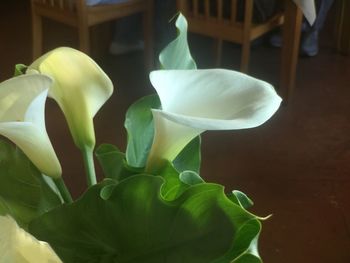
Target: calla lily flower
(16, 245)
(80, 88)
(22, 120)
(194, 101)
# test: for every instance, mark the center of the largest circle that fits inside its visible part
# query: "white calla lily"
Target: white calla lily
(22, 120)
(197, 100)
(80, 88)
(16, 245)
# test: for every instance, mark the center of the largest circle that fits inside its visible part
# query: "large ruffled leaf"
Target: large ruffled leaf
(175, 182)
(132, 222)
(114, 164)
(241, 199)
(24, 194)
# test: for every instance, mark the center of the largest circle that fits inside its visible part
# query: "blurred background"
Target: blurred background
(296, 166)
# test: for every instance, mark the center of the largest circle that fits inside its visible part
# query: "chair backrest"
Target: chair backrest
(78, 14)
(230, 20)
(72, 11)
(58, 4)
(212, 10)
(106, 12)
(217, 18)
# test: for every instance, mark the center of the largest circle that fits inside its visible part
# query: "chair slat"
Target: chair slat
(195, 8)
(207, 9)
(219, 9)
(233, 11)
(61, 4)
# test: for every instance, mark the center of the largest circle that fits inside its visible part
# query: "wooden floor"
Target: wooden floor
(296, 166)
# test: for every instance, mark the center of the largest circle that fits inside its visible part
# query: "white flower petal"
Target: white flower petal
(80, 88)
(22, 106)
(17, 93)
(169, 138)
(236, 123)
(36, 145)
(197, 100)
(215, 94)
(16, 245)
(36, 111)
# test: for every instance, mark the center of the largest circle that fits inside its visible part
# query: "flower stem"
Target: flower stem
(89, 166)
(62, 188)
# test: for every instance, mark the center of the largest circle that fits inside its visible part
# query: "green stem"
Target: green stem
(89, 166)
(62, 188)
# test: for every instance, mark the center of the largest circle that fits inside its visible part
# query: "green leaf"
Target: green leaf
(190, 178)
(20, 69)
(190, 157)
(246, 243)
(140, 129)
(113, 162)
(108, 188)
(177, 55)
(241, 199)
(173, 187)
(248, 258)
(133, 223)
(24, 193)
(176, 183)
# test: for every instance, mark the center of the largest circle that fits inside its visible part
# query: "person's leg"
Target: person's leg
(309, 39)
(127, 35)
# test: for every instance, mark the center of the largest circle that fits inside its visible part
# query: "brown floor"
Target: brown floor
(296, 166)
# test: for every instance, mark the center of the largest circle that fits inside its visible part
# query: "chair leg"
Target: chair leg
(343, 27)
(245, 56)
(290, 49)
(218, 51)
(37, 33)
(148, 35)
(84, 39)
(248, 16)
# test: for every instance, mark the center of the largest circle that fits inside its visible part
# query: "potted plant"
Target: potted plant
(152, 205)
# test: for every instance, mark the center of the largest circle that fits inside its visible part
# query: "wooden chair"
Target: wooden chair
(343, 26)
(77, 14)
(208, 19)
